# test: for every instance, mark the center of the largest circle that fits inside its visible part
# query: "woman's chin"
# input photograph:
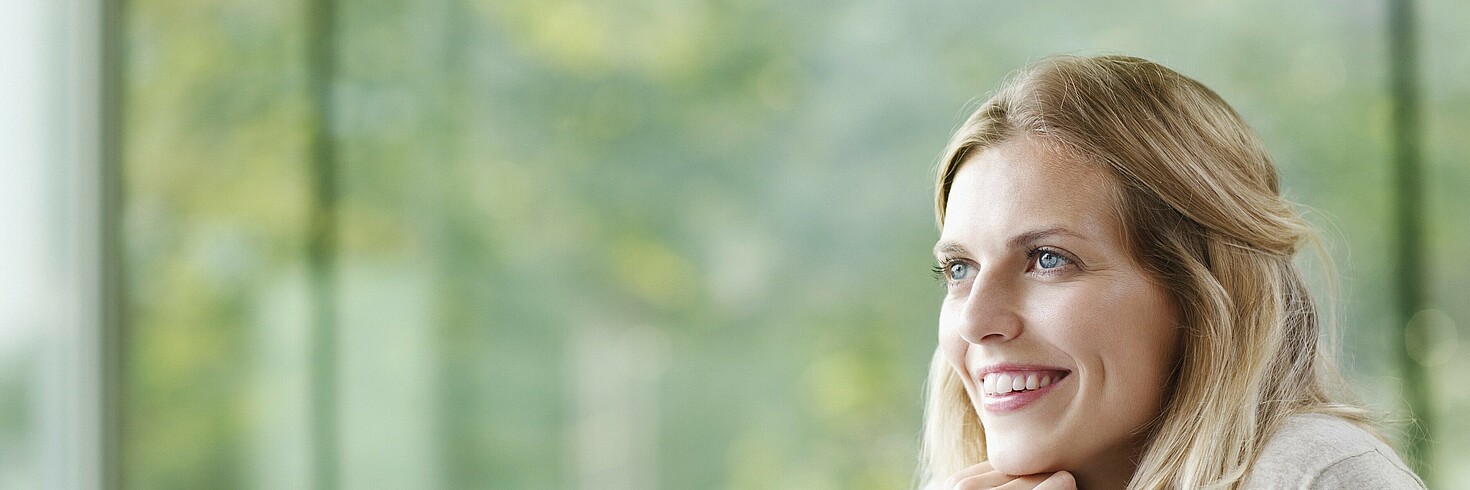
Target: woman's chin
(1025, 461)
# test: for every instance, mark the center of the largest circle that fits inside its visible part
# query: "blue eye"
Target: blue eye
(959, 271)
(1047, 260)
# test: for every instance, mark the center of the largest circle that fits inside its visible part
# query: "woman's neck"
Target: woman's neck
(1112, 469)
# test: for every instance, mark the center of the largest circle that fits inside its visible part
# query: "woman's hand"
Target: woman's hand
(982, 476)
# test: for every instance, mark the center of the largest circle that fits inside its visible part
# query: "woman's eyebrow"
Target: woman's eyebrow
(954, 249)
(950, 249)
(1027, 238)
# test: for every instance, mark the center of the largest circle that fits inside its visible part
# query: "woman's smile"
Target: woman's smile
(1008, 391)
(1007, 387)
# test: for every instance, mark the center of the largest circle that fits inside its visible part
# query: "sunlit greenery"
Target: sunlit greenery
(670, 243)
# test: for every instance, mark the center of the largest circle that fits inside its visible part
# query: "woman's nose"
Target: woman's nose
(990, 314)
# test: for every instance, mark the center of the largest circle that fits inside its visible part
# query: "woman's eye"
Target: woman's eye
(1046, 260)
(959, 271)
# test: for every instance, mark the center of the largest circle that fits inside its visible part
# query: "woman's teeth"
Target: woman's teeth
(1001, 383)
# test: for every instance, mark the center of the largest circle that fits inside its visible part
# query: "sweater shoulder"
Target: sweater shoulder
(1323, 451)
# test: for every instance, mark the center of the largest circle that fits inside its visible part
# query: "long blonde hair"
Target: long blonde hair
(1202, 212)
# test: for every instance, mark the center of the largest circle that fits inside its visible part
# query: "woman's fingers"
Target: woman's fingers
(1060, 480)
(1025, 482)
(989, 479)
(978, 469)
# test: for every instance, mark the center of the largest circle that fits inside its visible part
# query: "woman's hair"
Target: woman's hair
(1198, 200)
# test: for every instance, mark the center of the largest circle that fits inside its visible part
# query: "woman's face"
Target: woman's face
(1064, 344)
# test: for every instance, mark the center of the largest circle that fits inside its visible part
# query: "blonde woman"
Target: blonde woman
(1122, 310)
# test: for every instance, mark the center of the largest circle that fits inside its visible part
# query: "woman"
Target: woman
(1122, 309)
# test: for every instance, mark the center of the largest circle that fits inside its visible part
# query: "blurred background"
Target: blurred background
(616, 245)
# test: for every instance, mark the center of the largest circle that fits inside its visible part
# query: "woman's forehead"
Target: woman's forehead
(1019, 186)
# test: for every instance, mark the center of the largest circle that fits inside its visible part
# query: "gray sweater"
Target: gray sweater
(1321, 451)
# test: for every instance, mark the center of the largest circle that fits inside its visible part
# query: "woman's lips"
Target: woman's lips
(1007, 389)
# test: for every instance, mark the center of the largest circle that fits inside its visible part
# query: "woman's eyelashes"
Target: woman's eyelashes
(951, 271)
(1045, 260)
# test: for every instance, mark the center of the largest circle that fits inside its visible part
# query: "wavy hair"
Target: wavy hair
(1203, 214)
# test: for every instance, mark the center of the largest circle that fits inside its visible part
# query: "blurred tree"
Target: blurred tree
(672, 241)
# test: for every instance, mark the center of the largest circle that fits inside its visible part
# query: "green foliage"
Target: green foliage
(670, 243)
